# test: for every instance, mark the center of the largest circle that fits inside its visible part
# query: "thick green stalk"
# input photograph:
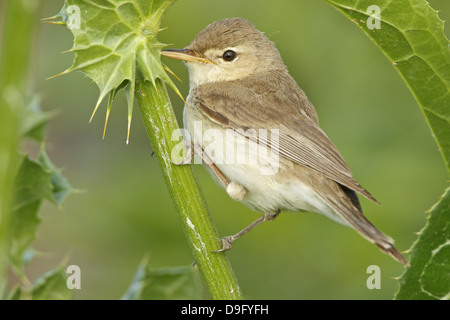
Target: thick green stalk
(19, 19)
(160, 122)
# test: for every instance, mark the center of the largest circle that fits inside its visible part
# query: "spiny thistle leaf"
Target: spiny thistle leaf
(115, 44)
(36, 181)
(175, 283)
(429, 275)
(411, 35)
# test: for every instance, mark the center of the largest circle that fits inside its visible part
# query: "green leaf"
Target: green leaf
(35, 181)
(177, 283)
(15, 293)
(52, 286)
(24, 183)
(429, 274)
(33, 121)
(38, 180)
(24, 225)
(61, 187)
(115, 43)
(411, 35)
(32, 183)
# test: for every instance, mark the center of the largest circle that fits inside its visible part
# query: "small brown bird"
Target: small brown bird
(259, 133)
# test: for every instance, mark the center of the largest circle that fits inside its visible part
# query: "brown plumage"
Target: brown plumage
(255, 91)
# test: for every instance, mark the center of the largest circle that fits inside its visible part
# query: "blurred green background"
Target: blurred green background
(125, 212)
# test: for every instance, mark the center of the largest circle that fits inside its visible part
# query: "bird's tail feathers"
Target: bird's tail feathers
(353, 216)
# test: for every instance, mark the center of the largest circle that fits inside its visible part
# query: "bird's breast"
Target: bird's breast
(272, 183)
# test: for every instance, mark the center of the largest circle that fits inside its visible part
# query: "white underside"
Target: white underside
(267, 188)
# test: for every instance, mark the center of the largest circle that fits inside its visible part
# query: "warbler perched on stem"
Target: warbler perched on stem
(240, 88)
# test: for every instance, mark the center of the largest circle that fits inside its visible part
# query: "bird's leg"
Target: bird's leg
(206, 159)
(227, 241)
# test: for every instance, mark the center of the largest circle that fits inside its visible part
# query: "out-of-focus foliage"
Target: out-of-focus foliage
(177, 283)
(25, 182)
(429, 275)
(411, 35)
(363, 105)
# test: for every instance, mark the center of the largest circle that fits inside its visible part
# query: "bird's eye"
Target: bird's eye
(229, 55)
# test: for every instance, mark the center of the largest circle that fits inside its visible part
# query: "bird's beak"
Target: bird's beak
(185, 55)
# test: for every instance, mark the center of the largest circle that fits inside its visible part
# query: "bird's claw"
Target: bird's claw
(226, 244)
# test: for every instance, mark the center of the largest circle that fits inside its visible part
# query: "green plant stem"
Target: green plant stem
(160, 122)
(19, 18)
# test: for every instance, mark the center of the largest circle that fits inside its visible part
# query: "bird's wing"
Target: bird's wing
(238, 106)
